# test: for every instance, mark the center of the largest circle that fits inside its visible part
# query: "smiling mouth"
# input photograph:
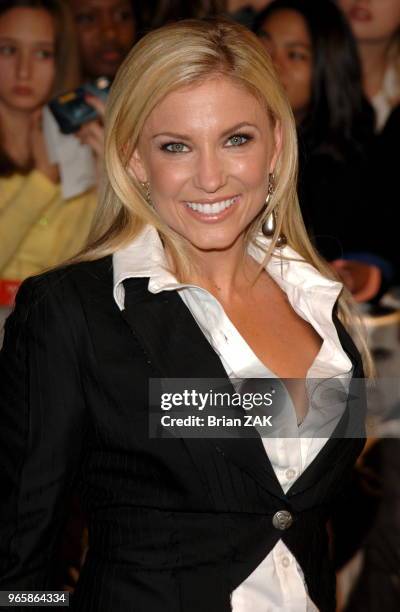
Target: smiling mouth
(213, 208)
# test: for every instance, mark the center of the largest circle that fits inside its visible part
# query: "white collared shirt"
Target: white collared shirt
(277, 584)
(387, 98)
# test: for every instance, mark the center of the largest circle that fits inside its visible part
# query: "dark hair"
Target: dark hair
(339, 117)
(153, 14)
(67, 73)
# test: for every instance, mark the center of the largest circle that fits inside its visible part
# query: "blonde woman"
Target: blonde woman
(198, 267)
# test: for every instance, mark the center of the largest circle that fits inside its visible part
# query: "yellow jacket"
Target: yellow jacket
(38, 229)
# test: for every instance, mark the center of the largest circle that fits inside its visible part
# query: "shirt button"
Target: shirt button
(290, 473)
(285, 561)
(282, 520)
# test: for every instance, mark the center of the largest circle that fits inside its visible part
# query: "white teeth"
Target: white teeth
(211, 209)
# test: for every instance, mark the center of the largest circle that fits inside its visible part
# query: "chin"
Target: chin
(108, 70)
(28, 105)
(219, 243)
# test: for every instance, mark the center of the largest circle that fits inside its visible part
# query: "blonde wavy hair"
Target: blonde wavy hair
(176, 56)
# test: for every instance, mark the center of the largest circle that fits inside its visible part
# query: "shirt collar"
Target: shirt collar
(144, 257)
(384, 101)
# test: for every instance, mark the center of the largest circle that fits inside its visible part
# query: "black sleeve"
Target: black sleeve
(42, 430)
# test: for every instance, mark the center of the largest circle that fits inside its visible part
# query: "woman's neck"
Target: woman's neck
(15, 134)
(374, 62)
(224, 273)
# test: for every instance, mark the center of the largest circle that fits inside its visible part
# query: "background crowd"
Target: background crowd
(339, 62)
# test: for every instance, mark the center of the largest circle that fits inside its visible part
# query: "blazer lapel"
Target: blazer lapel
(177, 348)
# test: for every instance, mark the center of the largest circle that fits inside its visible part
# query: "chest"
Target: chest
(283, 341)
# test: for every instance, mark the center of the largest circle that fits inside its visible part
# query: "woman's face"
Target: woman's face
(27, 69)
(286, 38)
(372, 20)
(206, 151)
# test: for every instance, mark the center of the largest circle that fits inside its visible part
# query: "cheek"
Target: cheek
(7, 74)
(252, 171)
(88, 42)
(167, 178)
(301, 84)
(387, 19)
(45, 77)
(345, 5)
(126, 35)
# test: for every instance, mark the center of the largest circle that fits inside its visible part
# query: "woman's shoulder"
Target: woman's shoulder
(67, 284)
(53, 309)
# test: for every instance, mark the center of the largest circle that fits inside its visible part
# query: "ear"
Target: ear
(136, 166)
(277, 132)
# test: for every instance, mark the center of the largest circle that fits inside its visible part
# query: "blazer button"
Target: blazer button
(282, 519)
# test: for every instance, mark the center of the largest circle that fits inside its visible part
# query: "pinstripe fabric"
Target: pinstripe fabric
(174, 525)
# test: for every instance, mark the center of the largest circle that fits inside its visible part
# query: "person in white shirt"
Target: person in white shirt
(199, 228)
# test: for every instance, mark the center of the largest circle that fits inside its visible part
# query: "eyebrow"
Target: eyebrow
(230, 130)
(294, 43)
(35, 43)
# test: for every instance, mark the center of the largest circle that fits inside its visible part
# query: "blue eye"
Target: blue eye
(238, 140)
(44, 54)
(7, 50)
(175, 147)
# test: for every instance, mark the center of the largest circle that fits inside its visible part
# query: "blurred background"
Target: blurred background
(339, 63)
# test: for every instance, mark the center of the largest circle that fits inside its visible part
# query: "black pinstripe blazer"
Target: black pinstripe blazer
(174, 525)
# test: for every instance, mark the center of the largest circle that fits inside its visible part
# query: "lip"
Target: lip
(212, 217)
(22, 90)
(111, 56)
(360, 14)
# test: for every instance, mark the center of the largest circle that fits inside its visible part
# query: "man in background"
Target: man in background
(106, 32)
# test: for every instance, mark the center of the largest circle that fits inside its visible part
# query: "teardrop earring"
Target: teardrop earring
(268, 228)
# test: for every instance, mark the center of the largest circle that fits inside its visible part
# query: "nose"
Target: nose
(108, 27)
(24, 65)
(210, 172)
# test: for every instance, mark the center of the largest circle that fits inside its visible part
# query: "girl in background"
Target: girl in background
(316, 57)
(37, 61)
(376, 27)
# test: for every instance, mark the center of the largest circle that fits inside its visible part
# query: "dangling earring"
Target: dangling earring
(269, 225)
(146, 188)
(268, 228)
